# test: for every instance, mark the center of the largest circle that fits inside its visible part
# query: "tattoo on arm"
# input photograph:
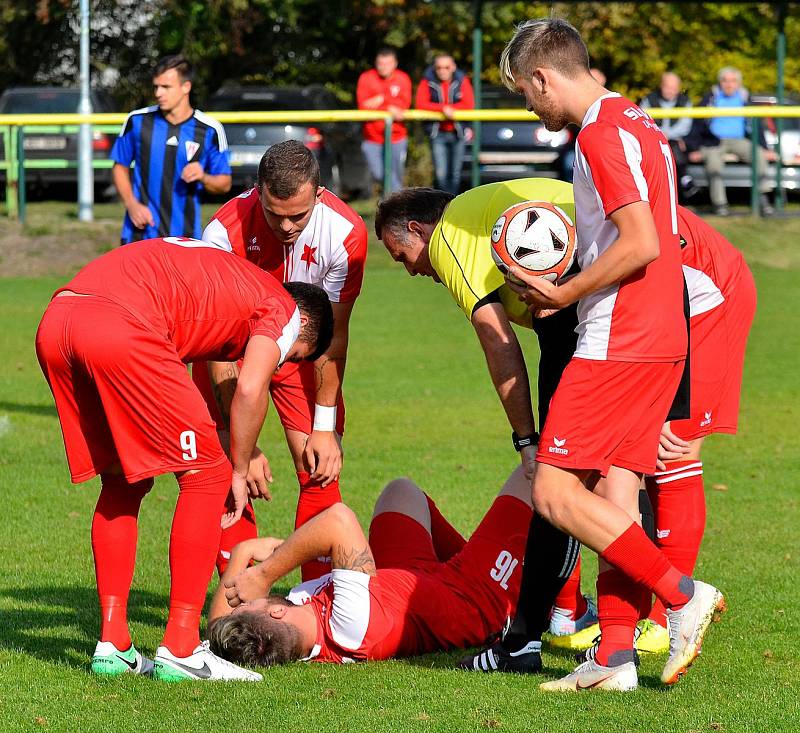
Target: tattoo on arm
(354, 559)
(319, 367)
(223, 383)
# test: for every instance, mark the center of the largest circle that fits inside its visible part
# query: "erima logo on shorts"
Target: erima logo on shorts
(558, 447)
(662, 533)
(706, 419)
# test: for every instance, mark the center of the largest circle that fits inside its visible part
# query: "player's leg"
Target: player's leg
(293, 392)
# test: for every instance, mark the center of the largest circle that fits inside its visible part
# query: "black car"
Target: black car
(58, 142)
(336, 145)
(516, 149)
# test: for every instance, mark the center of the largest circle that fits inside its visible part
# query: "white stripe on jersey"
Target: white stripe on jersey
(633, 155)
(704, 295)
(217, 234)
(217, 125)
(349, 619)
(140, 111)
(289, 335)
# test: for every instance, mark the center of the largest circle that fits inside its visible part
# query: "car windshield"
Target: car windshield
(42, 102)
(259, 101)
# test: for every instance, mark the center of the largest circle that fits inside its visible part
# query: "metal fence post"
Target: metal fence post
(21, 197)
(387, 156)
(12, 172)
(755, 129)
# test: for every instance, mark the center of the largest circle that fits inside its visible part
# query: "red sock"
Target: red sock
(679, 503)
(244, 529)
(193, 545)
(114, 536)
(447, 540)
(570, 600)
(618, 601)
(314, 499)
(636, 556)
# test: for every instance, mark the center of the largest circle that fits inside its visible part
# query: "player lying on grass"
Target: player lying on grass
(296, 230)
(448, 239)
(113, 345)
(417, 586)
(722, 304)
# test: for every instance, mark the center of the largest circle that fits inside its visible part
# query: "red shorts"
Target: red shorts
(293, 390)
(608, 413)
(461, 602)
(718, 339)
(122, 393)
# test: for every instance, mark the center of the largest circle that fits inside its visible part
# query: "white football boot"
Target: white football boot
(687, 628)
(201, 664)
(593, 676)
(562, 623)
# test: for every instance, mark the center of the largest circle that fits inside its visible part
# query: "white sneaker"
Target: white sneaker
(593, 676)
(562, 623)
(202, 664)
(108, 661)
(687, 628)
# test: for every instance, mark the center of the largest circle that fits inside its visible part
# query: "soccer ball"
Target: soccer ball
(536, 236)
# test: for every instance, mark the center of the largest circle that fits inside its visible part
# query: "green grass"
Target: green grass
(419, 403)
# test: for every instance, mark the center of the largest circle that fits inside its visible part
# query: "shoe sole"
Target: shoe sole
(694, 649)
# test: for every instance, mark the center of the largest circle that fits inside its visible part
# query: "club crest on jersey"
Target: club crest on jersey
(191, 148)
(558, 446)
(308, 256)
(394, 90)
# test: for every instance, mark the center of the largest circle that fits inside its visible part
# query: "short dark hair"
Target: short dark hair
(386, 51)
(548, 42)
(425, 205)
(256, 639)
(287, 166)
(178, 62)
(313, 303)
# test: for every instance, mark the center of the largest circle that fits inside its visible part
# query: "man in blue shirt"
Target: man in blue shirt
(178, 152)
(713, 139)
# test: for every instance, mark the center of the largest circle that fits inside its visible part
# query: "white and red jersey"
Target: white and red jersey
(711, 264)
(330, 251)
(622, 157)
(199, 298)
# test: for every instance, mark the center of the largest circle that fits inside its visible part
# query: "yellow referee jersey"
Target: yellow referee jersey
(460, 246)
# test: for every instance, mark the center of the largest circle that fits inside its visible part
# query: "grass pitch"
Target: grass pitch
(420, 403)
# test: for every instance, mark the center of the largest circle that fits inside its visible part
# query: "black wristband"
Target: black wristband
(524, 441)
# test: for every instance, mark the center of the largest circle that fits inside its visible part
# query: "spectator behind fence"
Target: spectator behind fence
(178, 151)
(445, 88)
(713, 138)
(385, 87)
(667, 96)
(567, 160)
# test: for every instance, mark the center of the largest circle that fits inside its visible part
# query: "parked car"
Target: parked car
(738, 175)
(62, 141)
(337, 146)
(515, 149)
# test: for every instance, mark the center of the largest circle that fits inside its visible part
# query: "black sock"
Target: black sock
(550, 557)
(647, 514)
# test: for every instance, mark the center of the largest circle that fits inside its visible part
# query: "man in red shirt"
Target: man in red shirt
(113, 345)
(445, 88)
(416, 587)
(296, 230)
(602, 431)
(387, 88)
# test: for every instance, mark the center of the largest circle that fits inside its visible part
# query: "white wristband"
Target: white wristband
(324, 418)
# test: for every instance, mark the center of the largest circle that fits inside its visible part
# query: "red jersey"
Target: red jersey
(199, 297)
(622, 157)
(711, 264)
(330, 251)
(396, 91)
(423, 100)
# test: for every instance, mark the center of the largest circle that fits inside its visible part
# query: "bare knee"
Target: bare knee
(398, 495)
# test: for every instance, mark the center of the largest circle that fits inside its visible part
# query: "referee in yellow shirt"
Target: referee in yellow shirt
(431, 233)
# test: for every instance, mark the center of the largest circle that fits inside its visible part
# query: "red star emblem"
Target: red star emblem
(308, 256)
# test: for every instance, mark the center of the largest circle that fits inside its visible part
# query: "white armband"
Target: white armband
(324, 418)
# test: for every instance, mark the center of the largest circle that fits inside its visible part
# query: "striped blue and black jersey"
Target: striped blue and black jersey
(161, 151)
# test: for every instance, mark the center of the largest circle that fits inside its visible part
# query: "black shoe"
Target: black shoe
(766, 207)
(527, 660)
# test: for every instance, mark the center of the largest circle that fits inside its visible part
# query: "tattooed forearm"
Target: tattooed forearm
(224, 377)
(322, 363)
(350, 558)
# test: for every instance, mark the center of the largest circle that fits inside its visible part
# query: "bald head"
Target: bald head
(670, 85)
